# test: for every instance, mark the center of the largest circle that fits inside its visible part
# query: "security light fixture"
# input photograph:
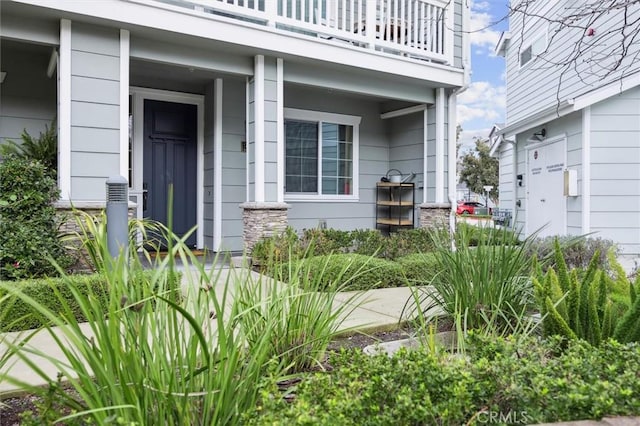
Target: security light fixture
(3, 74)
(538, 136)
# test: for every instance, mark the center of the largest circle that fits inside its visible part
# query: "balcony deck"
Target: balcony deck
(420, 29)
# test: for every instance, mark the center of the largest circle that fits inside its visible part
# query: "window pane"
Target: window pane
(301, 150)
(337, 159)
(345, 186)
(525, 56)
(309, 184)
(329, 185)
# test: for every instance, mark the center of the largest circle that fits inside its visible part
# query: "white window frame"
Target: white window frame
(543, 36)
(342, 119)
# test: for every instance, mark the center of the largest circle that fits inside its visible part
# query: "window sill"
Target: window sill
(321, 198)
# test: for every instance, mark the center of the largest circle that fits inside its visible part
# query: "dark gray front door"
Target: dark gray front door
(170, 158)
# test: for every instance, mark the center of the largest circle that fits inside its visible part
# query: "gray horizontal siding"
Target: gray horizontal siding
(505, 179)
(95, 109)
(541, 83)
(233, 163)
(615, 170)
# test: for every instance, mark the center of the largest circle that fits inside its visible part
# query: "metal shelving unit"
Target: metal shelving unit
(395, 205)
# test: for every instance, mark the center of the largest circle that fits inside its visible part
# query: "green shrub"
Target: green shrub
(471, 235)
(277, 248)
(419, 268)
(28, 230)
(514, 381)
(589, 304)
(54, 293)
(406, 242)
(577, 252)
(349, 271)
(44, 148)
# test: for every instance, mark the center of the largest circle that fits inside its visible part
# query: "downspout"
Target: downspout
(466, 66)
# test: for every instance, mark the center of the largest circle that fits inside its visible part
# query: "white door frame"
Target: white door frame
(562, 138)
(139, 95)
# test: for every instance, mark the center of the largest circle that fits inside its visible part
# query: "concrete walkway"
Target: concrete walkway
(371, 310)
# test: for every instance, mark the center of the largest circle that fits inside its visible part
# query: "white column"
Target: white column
(258, 114)
(124, 104)
(280, 129)
(425, 154)
(586, 170)
(217, 168)
(64, 111)
(440, 133)
(451, 149)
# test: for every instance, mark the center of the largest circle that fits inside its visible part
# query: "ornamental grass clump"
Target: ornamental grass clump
(485, 287)
(299, 317)
(148, 357)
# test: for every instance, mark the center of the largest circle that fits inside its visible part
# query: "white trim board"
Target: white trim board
(124, 103)
(217, 159)
(64, 111)
(139, 96)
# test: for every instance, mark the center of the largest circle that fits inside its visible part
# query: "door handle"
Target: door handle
(543, 200)
(145, 195)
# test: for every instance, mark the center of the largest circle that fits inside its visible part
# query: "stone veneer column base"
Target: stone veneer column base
(67, 215)
(434, 215)
(262, 220)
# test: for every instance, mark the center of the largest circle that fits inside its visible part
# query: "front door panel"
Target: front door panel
(546, 210)
(170, 159)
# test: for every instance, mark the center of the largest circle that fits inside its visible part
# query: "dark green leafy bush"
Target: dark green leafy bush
(515, 381)
(355, 271)
(28, 229)
(419, 268)
(54, 293)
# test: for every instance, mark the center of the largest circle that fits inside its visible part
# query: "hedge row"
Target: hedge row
(499, 382)
(52, 293)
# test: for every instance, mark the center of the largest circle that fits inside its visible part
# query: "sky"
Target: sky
(483, 103)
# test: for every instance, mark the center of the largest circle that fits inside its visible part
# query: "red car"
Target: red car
(468, 207)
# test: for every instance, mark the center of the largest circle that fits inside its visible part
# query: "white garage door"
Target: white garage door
(546, 206)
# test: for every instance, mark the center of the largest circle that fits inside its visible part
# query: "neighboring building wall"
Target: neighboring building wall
(615, 170)
(506, 189)
(234, 168)
(540, 84)
(27, 96)
(374, 160)
(95, 123)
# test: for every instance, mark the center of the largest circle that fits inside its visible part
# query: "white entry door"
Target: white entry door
(546, 206)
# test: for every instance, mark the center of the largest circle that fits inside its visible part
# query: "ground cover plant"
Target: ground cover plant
(512, 381)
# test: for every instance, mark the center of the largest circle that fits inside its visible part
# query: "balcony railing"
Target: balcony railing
(416, 28)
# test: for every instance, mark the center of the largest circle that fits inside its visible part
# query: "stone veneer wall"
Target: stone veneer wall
(433, 215)
(66, 215)
(262, 220)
